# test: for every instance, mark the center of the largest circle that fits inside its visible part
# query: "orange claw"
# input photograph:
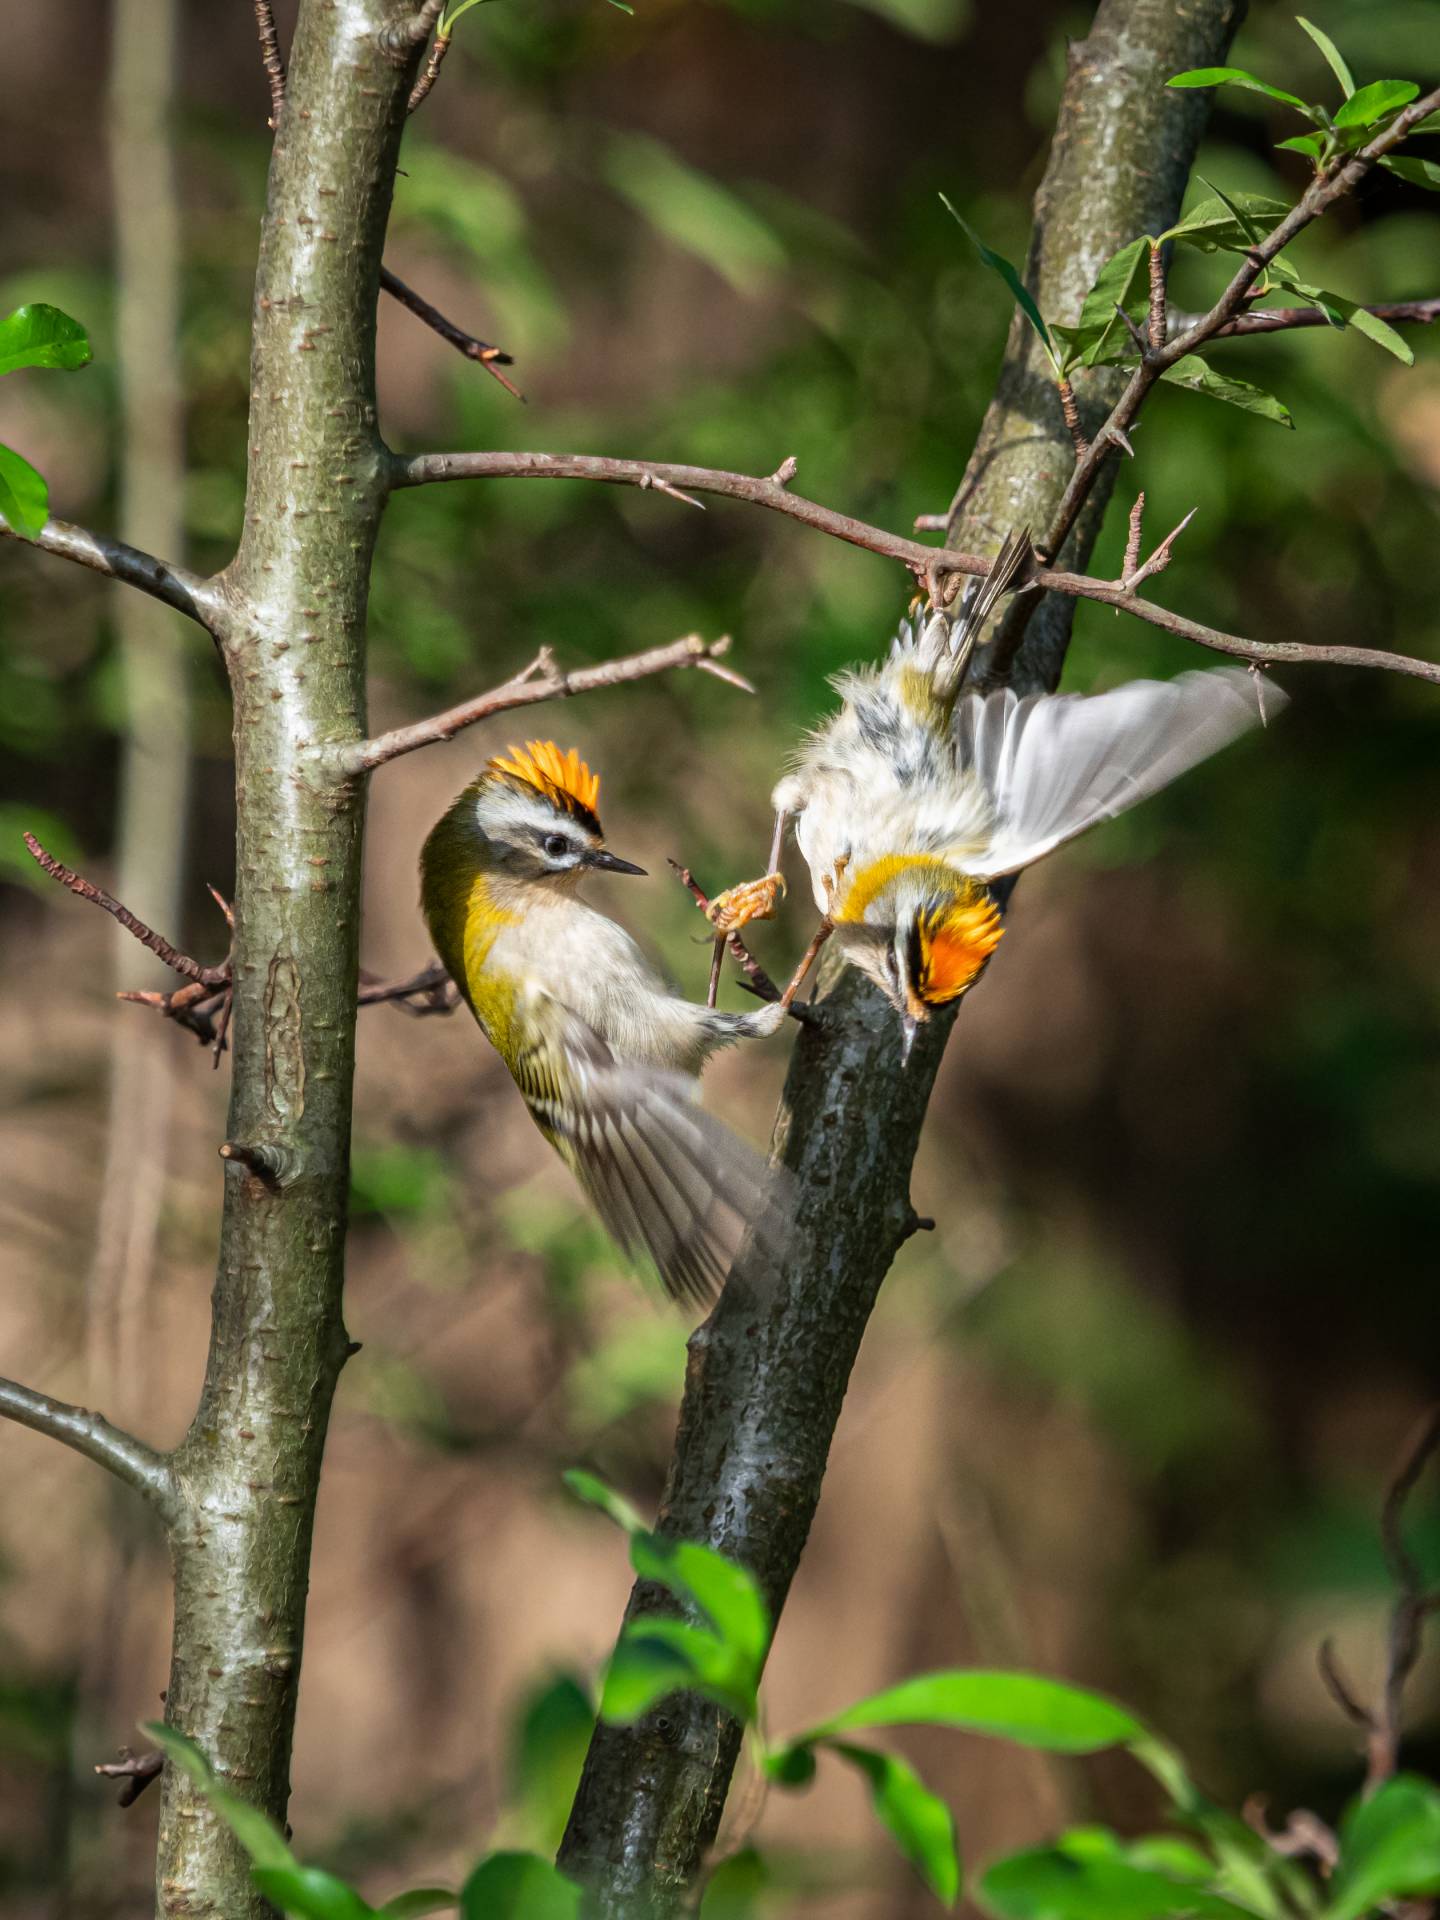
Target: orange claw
(749, 900)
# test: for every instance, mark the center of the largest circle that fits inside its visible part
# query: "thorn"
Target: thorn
(1121, 439)
(785, 472)
(221, 902)
(663, 486)
(266, 1163)
(931, 522)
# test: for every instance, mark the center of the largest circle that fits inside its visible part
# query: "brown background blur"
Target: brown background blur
(1125, 1417)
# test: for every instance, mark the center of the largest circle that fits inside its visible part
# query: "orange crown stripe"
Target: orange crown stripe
(564, 776)
(954, 949)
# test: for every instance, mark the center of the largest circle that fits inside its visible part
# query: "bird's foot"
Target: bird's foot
(748, 900)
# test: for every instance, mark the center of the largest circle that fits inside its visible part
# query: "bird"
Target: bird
(912, 801)
(606, 1054)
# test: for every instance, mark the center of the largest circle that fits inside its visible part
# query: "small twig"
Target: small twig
(137, 1770)
(403, 35)
(648, 480)
(1132, 544)
(431, 74)
(1339, 1688)
(129, 1459)
(274, 64)
(1415, 1603)
(1160, 558)
(178, 962)
(1135, 331)
(188, 593)
(429, 991)
(490, 357)
(785, 472)
(1072, 418)
(541, 680)
(1157, 297)
(267, 1163)
(1284, 319)
(739, 952)
(1303, 1836)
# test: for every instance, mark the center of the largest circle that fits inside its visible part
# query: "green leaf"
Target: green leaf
(1228, 222)
(1420, 173)
(1375, 103)
(594, 1492)
(1341, 312)
(1051, 1883)
(1123, 281)
(518, 1886)
(997, 263)
(724, 1591)
(42, 336)
(1200, 377)
(310, 1893)
(24, 496)
(790, 1766)
(419, 1900)
(623, 5)
(1024, 1707)
(256, 1831)
(1389, 1847)
(549, 1739)
(1331, 52)
(452, 14)
(919, 1821)
(1310, 144)
(654, 1658)
(1233, 77)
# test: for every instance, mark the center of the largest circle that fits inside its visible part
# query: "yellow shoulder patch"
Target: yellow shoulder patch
(563, 778)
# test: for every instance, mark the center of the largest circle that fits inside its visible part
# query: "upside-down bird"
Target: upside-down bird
(911, 800)
(604, 1052)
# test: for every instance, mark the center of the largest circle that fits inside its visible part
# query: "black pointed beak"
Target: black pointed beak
(909, 1027)
(611, 863)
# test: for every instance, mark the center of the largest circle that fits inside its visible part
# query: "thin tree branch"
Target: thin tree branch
(490, 357)
(541, 680)
(188, 593)
(928, 564)
(1284, 319)
(129, 1459)
(87, 890)
(271, 58)
(421, 88)
(137, 1770)
(1319, 196)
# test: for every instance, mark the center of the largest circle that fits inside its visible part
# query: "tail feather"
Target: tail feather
(1051, 767)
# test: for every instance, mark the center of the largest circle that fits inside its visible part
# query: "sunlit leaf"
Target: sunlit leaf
(24, 496)
(1198, 376)
(1024, 1707)
(1331, 52)
(1228, 221)
(418, 1901)
(311, 1894)
(1050, 1883)
(1375, 103)
(1310, 144)
(1123, 281)
(1419, 173)
(41, 336)
(997, 263)
(790, 1766)
(594, 1492)
(518, 1886)
(548, 1745)
(919, 1820)
(256, 1831)
(1389, 1848)
(1233, 77)
(1341, 312)
(734, 1889)
(658, 1657)
(724, 1591)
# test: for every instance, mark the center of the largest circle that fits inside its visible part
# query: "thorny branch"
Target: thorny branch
(1322, 193)
(930, 565)
(408, 34)
(541, 680)
(1414, 1604)
(1282, 319)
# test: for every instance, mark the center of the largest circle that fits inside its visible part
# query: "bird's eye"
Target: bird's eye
(556, 844)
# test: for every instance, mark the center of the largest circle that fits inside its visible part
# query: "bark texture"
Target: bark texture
(293, 639)
(766, 1381)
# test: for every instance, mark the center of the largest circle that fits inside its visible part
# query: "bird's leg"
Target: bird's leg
(751, 900)
(716, 961)
(807, 960)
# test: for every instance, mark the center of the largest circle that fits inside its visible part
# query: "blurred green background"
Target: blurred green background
(1126, 1415)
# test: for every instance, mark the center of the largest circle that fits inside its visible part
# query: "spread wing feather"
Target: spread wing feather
(668, 1179)
(1051, 767)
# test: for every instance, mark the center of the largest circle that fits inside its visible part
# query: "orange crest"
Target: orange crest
(563, 778)
(954, 945)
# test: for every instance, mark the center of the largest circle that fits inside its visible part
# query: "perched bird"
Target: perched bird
(910, 800)
(604, 1052)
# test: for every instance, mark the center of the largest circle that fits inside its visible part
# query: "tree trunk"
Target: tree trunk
(765, 1383)
(247, 1472)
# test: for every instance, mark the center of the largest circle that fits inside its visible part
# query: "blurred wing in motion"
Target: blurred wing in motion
(668, 1179)
(1051, 766)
